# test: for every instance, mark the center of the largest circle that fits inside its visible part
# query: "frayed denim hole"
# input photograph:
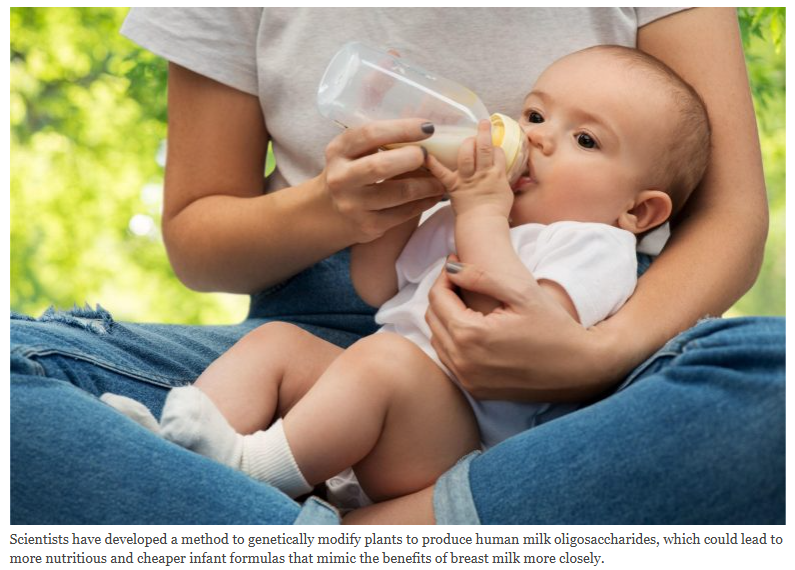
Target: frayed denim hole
(97, 320)
(20, 317)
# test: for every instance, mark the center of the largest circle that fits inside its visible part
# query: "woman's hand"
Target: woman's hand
(528, 349)
(376, 191)
(217, 217)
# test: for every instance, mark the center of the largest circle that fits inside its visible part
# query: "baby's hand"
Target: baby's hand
(480, 182)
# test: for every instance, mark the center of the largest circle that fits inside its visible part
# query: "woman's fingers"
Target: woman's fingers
(445, 304)
(374, 191)
(374, 167)
(399, 192)
(391, 217)
(357, 142)
(506, 288)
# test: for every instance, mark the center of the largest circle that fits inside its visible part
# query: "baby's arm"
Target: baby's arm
(482, 200)
(373, 264)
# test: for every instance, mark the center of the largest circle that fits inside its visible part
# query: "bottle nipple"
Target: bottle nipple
(508, 135)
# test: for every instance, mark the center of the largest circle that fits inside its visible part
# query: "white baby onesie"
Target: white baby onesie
(595, 264)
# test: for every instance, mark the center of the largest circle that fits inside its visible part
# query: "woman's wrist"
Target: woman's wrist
(342, 232)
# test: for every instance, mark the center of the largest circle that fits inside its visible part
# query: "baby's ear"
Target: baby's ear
(650, 209)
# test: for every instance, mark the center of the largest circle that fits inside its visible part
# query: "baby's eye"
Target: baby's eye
(534, 117)
(586, 141)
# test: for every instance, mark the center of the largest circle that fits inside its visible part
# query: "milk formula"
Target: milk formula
(362, 84)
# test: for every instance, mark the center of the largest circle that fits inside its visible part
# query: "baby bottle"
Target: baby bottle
(362, 84)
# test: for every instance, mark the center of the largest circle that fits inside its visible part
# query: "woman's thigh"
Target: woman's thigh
(695, 436)
(74, 459)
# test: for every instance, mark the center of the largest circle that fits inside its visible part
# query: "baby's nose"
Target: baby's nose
(540, 137)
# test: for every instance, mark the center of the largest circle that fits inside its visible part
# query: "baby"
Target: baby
(617, 143)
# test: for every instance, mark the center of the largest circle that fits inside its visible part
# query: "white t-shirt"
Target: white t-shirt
(594, 263)
(279, 55)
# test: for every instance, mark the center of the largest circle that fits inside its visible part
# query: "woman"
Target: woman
(235, 83)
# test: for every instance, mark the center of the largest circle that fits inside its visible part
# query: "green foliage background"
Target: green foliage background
(88, 122)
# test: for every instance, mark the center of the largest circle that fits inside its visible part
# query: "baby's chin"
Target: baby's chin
(515, 220)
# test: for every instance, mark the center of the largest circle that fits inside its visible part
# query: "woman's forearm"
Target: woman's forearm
(224, 234)
(244, 244)
(221, 231)
(716, 250)
(712, 260)
(529, 351)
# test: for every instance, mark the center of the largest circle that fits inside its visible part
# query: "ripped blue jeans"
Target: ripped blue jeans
(696, 435)
(75, 460)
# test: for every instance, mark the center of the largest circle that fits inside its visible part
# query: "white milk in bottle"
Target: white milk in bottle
(362, 84)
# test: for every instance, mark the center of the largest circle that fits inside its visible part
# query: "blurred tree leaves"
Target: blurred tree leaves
(764, 39)
(88, 121)
(88, 124)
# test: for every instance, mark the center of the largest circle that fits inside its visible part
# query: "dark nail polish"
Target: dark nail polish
(453, 267)
(424, 153)
(427, 128)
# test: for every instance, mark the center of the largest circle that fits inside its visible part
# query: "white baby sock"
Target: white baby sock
(133, 409)
(267, 457)
(191, 419)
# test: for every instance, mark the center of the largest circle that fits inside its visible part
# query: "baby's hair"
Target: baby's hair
(684, 163)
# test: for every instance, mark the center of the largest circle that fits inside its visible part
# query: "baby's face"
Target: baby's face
(595, 128)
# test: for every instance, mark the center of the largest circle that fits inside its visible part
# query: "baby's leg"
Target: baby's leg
(387, 409)
(265, 373)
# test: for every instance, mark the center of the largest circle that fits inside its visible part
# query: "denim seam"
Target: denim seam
(675, 347)
(32, 354)
(662, 353)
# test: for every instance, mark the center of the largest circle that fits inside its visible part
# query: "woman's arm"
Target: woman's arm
(711, 262)
(223, 233)
(716, 249)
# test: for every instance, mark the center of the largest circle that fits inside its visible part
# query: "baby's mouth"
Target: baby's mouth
(523, 181)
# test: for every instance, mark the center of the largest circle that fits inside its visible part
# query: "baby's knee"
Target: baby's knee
(276, 332)
(383, 350)
(392, 360)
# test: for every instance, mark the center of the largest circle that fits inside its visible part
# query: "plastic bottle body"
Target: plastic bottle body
(362, 84)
